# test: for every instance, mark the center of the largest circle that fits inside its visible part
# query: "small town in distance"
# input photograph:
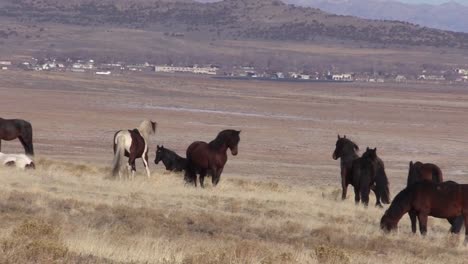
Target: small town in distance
(90, 66)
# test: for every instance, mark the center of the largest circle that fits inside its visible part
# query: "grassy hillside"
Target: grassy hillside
(69, 213)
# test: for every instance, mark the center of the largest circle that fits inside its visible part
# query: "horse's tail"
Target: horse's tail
(26, 137)
(382, 184)
(119, 153)
(437, 176)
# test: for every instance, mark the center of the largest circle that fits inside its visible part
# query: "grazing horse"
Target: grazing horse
(346, 151)
(368, 173)
(418, 172)
(20, 161)
(170, 159)
(210, 157)
(132, 144)
(17, 128)
(441, 200)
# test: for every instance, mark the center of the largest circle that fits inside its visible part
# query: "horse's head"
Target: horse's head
(370, 154)
(159, 154)
(387, 224)
(342, 146)
(233, 141)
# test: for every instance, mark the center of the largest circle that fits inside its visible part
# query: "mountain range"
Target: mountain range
(448, 16)
(233, 19)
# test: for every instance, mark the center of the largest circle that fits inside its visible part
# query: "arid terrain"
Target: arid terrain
(277, 201)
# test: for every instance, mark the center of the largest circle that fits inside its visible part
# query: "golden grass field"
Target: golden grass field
(278, 200)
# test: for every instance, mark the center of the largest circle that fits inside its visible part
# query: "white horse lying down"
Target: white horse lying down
(17, 160)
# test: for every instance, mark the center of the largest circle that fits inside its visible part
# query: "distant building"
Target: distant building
(103, 73)
(195, 69)
(400, 78)
(279, 75)
(5, 63)
(431, 77)
(462, 71)
(4, 68)
(342, 77)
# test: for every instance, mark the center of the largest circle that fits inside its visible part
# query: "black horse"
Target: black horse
(368, 173)
(346, 151)
(203, 158)
(17, 128)
(170, 159)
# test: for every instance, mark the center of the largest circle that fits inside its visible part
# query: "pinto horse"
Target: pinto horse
(132, 144)
(210, 157)
(347, 151)
(418, 172)
(441, 200)
(170, 159)
(17, 128)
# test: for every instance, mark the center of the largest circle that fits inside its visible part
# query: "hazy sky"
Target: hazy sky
(434, 1)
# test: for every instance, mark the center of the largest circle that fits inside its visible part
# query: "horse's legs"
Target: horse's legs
(465, 218)
(422, 217)
(377, 196)
(131, 165)
(0, 145)
(412, 215)
(216, 176)
(145, 162)
(202, 178)
(344, 184)
(456, 224)
(357, 197)
(365, 195)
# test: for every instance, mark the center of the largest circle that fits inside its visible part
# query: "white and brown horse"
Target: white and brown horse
(132, 144)
(20, 161)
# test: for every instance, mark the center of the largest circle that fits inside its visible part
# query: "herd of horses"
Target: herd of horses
(426, 193)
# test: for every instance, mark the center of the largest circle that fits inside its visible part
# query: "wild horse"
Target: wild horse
(441, 200)
(346, 150)
(170, 159)
(132, 144)
(418, 172)
(17, 128)
(210, 157)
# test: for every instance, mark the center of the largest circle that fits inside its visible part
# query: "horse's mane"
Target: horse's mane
(147, 128)
(221, 138)
(401, 203)
(349, 145)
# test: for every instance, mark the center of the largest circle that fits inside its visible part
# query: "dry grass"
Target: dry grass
(69, 213)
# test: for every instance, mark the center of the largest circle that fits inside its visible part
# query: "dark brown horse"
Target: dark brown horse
(418, 172)
(346, 151)
(441, 200)
(17, 128)
(203, 158)
(368, 173)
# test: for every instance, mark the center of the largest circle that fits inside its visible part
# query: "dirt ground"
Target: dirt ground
(288, 129)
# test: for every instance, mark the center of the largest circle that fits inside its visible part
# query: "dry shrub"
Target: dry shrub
(330, 254)
(33, 241)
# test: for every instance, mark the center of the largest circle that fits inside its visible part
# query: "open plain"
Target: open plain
(277, 201)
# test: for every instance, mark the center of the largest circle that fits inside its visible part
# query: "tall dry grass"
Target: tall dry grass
(70, 213)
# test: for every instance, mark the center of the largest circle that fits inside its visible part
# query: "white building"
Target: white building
(198, 70)
(342, 77)
(103, 73)
(462, 71)
(5, 63)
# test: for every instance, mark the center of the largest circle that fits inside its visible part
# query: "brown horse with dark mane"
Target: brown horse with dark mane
(203, 158)
(346, 151)
(418, 172)
(17, 128)
(441, 200)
